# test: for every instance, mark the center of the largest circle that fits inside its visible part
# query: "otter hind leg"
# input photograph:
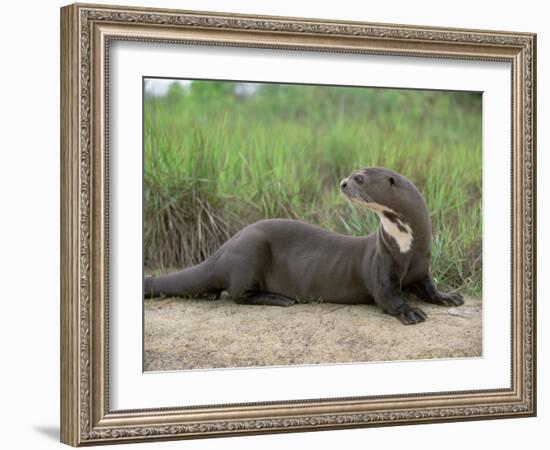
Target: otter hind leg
(265, 298)
(426, 290)
(214, 294)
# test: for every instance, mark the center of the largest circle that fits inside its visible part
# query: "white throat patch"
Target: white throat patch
(400, 231)
(403, 238)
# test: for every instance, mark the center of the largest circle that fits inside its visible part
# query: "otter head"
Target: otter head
(400, 206)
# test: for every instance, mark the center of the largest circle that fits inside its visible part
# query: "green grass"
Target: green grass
(214, 162)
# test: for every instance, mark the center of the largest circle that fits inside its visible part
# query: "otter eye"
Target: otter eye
(392, 181)
(359, 178)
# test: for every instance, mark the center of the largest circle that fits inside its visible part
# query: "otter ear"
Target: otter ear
(392, 181)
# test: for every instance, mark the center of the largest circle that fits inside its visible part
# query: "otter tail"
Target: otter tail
(189, 282)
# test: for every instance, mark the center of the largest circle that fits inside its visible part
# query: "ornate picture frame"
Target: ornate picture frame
(86, 34)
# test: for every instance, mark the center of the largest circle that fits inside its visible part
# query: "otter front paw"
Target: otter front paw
(410, 316)
(453, 299)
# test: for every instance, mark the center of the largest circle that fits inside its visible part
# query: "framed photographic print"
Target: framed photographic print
(276, 225)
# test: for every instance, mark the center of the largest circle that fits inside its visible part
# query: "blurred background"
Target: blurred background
(219, 155)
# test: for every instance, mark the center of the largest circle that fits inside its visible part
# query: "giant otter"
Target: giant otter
(276, 261)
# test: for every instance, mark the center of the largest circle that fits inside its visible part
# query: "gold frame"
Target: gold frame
(86, 31)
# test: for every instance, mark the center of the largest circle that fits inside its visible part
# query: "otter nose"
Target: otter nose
(343, 183)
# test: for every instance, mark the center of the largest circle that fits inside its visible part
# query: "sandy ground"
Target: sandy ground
(198, 334)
